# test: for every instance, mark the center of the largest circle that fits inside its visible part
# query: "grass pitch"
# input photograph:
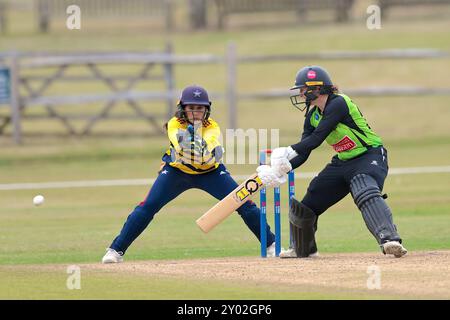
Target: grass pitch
(74, 226)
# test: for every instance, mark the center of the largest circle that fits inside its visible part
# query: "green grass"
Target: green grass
(76, 225)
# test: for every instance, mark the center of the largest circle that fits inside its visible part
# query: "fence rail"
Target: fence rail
(114, 8)
(48, 9)
(352, 55)
(225, 8)
(117, 58)
(24, 96)
(385, 5)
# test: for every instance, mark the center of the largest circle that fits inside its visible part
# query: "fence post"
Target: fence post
(43, 11)
(3, 7)
(221, 15)
(14, 100)
(342, 10)
(169, 14)
(170, 81)
(197, 13)
(231, 61)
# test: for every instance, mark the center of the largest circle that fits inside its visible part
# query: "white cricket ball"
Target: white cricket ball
(38, 200)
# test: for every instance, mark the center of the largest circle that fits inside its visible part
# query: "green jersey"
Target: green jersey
(341, 125)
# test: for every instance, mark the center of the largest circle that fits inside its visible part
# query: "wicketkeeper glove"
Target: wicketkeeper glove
(218, 153)
(189, 143)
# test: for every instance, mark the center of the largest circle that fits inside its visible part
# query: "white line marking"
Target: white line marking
(147, 182)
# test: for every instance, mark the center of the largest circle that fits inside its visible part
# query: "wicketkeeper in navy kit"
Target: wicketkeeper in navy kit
(359, 167)
(193, 160)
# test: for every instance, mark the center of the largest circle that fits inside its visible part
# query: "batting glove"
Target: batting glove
(279, 159)
(269, 177)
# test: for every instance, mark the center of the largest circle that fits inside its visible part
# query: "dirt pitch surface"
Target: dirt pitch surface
(416, 275)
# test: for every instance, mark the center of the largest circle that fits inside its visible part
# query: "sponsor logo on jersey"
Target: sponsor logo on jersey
(344, 144)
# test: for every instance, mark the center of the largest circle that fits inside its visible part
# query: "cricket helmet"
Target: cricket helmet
(312, 76)
(316, 80)
(194, 95)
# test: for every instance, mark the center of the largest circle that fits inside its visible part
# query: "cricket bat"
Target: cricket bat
(229, 204)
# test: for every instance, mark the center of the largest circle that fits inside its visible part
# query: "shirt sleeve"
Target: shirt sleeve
(335, 112)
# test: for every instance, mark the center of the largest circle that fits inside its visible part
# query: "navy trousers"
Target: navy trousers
(170, 183)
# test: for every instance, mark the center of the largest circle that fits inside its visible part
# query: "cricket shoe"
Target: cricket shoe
(290, 253)
(112, 256)
(271, 251)
(395, 248)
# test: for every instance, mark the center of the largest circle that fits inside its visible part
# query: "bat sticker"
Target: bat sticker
(251, 186)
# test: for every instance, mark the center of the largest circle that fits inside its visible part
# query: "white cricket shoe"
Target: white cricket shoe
(290, 253)
(271, 250)
(395, 248)
(112, 256)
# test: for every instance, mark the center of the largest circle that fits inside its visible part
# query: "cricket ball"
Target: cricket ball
(38, 200)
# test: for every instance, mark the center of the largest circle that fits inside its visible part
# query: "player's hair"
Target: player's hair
(328, 89)
(334, 89)
(178, 115)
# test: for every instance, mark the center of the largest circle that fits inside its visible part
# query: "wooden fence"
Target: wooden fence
(30, 90)
(24, 96)
(385, 5)
(118, 9)
(226, 8)
(3, 11)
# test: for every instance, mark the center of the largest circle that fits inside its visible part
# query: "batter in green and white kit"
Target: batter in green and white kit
(359, 167)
